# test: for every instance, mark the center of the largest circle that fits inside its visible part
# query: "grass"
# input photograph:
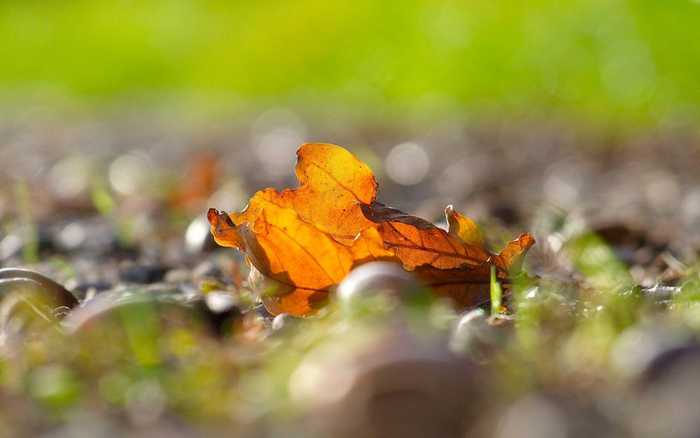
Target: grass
(605, 62)
(496, 293)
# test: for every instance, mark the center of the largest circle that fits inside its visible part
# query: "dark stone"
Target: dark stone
(665, 363)
(98, 286)
(143, 274)
(221, 310)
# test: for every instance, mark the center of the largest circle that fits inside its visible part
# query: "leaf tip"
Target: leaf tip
(463, 227)
(223, 229)
(513, 253)
(212, 215)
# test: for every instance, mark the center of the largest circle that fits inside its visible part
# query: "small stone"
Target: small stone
(393, 385)
(221, 310)
(667, 395)
(143, 274)
(71, 237)
(476, 336)
(206, 269)
(377, 285)
(198, 239)
(537, 415)
(15, 279)
(153, 310)
(220, 302)
(176, 276)
(17, 241)
(82, 289)
(646, 351)
(31, 304)
(10, 246)
(670, 361)
(284, 322)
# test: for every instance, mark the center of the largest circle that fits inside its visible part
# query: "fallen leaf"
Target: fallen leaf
(295, 301)
(463, 227)
(417, 242)
(333, 184)
(292, 251)
(309, 238)
(454, 262)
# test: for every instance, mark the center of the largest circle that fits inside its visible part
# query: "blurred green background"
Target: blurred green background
(625, 63)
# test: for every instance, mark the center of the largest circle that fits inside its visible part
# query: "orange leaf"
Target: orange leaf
(463, 227)
(309, 238)
(333, 184)
(296, 302)
(417, 242)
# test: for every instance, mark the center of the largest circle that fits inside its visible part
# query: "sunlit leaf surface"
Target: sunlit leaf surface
(309, 238)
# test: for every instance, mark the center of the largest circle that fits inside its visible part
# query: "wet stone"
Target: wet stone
(14, 280)
(30, 304)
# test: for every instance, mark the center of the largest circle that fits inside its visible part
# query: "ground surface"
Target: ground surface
(169, 339)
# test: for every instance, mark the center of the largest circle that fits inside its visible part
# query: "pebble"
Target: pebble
(10, 246)
(285, 322)
(13, 244)
(207, 269)
(667, 362)
(643, 350)
(143, 273)
(178, 275)
(114, 304)
(220, 302)
(377, 284)
(392, 385)
(198, 239)
(30, 304)
(25, 280)
(222, 310)
(478, 336)
(538, 414)
(668, 394)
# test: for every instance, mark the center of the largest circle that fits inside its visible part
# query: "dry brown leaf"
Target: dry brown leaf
(333, 184)
(295, 301)
(417, 242)
(310, 237)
